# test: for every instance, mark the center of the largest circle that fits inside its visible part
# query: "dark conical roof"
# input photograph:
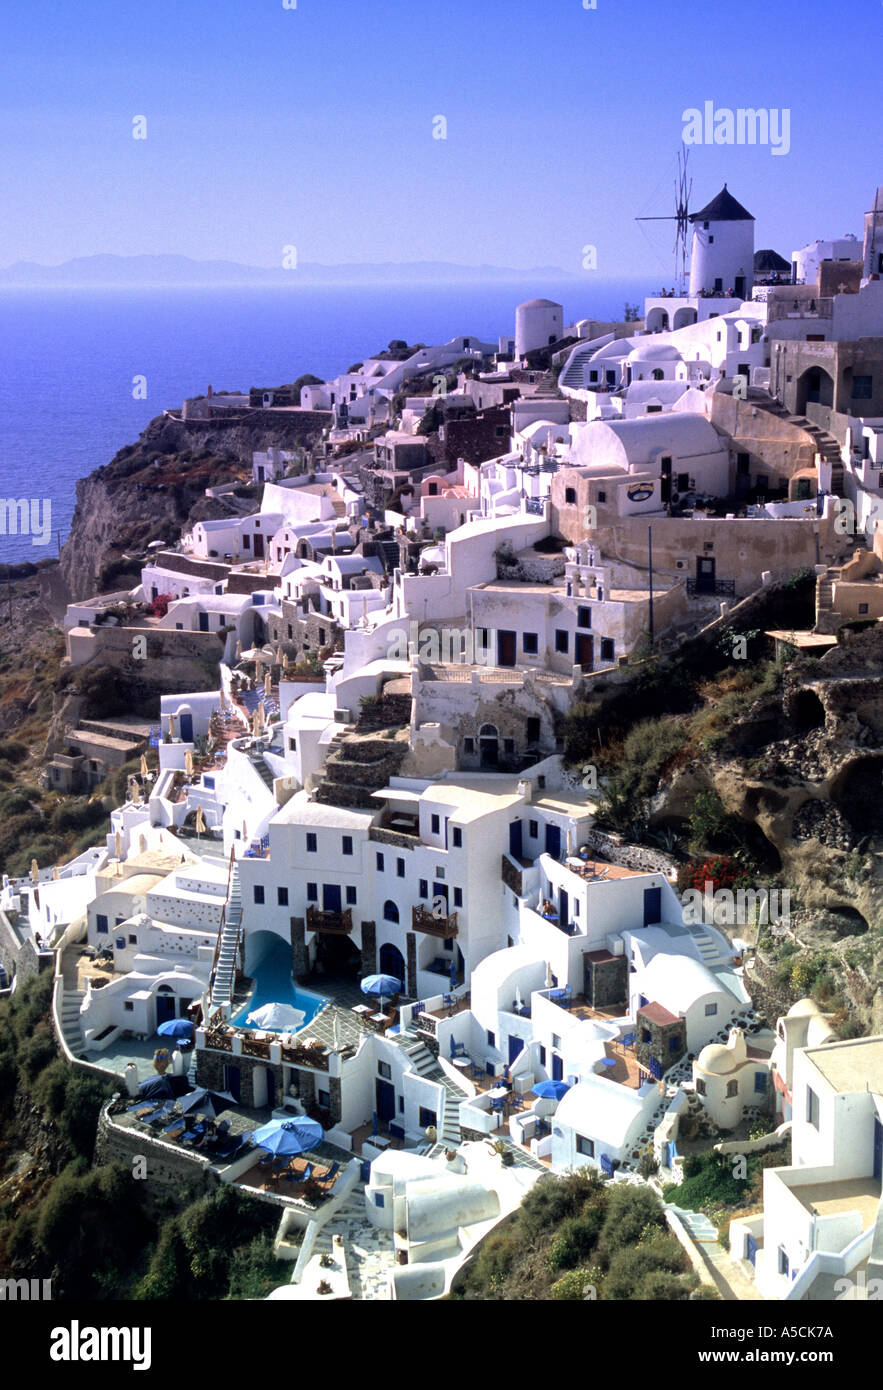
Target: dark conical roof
(723, 208)
(768, 261)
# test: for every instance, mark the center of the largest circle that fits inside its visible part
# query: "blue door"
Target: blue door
(878, 1150)
(187, 728)
(515, 839)
(652, 906)
(271, 1087)
(553, 841)
(165, 1008)
(563, 909)
(386, 1102)
(392, 962)
(233, 1081)
(557, 1068)
(751, 1248)
(331, 899)
(516, 1047)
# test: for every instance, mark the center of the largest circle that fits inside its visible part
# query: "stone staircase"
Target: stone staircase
(425, 1065)
(826, 445)
(827, 617)
(709, 952)
(389, 555)
(71, 1027)
(225, 970)
(368, 1251)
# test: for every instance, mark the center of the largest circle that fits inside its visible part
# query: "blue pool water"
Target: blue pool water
(274, 985)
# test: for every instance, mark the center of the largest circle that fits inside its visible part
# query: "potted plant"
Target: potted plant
(502, 1150)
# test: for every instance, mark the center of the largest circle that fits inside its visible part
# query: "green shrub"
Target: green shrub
(630, 1211)
(576, 1239)
(77, 815)
(573, 1286)
(631, 1264)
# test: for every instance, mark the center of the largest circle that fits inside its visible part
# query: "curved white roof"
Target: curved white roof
(495, 969)
(677, 981)
(600, 1108)
(539, 304)
(649, 349)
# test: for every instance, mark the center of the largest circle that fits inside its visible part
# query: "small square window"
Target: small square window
(562, 640)
(584, 617)
(863, 608)
(570, 496)
(312, 843)
(602, 496)
(128, 1006)
(282, 897)
(732, 1089)
(607, 648)
(710, 1010)
(439, 871)
(385, 1070)
(585, 1146)
(312, 892)
(530, 643)
(258, 893)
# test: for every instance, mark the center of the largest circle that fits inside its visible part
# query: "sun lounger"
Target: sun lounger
(326, 1182)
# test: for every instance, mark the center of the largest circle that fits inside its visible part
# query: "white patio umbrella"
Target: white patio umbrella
(519, 1002)
(275, 1017)
(550, 981)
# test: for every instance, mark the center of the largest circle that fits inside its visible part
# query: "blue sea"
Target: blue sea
(68, 359)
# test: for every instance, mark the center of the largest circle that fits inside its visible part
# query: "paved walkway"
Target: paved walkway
(732, 1283)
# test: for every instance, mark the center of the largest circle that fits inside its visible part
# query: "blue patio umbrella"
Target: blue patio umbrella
(381, 985)
(289, 1137)
(176, 1028)
(550, 1090)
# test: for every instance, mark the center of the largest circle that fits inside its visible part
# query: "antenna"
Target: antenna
(681, 218)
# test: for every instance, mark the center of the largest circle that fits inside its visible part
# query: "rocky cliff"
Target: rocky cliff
(154, 489)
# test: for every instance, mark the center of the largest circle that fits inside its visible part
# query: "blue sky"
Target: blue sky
(312, 126)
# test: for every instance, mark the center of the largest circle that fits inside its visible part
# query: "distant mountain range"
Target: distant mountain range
(136, 272)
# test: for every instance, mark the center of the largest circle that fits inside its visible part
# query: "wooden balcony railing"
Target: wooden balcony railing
(422, 919)
(220, 1040)
(298, 1056)
(338, 923)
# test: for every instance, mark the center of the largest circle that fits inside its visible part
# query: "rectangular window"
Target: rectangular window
(491, 1038)
(384, 1070)
(424, 888)
(530, 643)
(732, 1089)
(863, 608)
(556, 1041)
(533, 829)
(700, 1086)
(812, 1108)
(436, 825)
(425, 1117)
(645, 1035)
(351, 895)
(281, 897)
(569, 496)
(862, 388)
(584, 617)
(312, 843)
(380, 863)
(457, 839)
(292, 745)
(562, 640)
(347, 844)
(469, 745)
(784, 1264)
(458, 897)
(759, 1082)
(312, 892)
(379, 1199)
(585, 1146)
(258, 893)
(400, 868)
(607, 648)
(710, 1010)
(101, 923)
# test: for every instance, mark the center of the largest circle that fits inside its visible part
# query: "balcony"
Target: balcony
(717, 587)
(443, 927)
(332, 923)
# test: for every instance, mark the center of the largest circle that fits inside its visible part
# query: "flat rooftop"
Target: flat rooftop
(853, 1065)
(847, 1194)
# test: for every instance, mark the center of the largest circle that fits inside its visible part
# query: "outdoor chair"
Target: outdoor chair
(291, 1174)
(327, 1181)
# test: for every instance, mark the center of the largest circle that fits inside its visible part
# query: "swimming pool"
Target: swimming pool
(273, 985)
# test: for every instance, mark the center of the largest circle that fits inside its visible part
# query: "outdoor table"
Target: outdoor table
(361, 1008)
(462, 1062)
(379, 1018)
(498, 1093)
(380, 1141)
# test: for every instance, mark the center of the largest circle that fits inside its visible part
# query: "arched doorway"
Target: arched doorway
(392, 962)
(489, 745)
(814, 387)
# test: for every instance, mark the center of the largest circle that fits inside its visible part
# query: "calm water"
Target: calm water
(274, 985)
(68, 359)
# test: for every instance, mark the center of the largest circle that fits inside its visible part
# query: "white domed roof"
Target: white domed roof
(818, 1031)
(716, 1058)
(802, 1008)
(540, 304)
(664, 352)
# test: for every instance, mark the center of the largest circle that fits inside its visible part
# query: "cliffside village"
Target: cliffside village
(374, 787)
